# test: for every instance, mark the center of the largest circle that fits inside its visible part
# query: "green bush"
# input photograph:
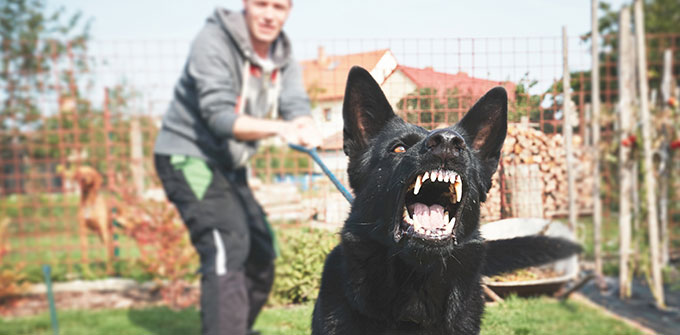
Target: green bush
(300, 263)
(280, 161)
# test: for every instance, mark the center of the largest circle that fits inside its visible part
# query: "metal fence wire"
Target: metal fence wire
(100, 107)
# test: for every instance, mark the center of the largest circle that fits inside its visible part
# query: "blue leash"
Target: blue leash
(317, 159)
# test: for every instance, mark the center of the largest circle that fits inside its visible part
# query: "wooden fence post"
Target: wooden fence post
(567, 129)
(595, 119)
(626, 82)
(650, 182)
(136, 155)
(665, 154)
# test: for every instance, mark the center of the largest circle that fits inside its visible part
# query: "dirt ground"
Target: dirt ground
(33, 304)
(640, 307)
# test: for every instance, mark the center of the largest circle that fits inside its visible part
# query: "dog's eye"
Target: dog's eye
(399, 149)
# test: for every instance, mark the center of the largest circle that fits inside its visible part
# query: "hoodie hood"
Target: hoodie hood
(234, 23)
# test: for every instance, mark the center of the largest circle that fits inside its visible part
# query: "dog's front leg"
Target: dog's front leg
(82, 232)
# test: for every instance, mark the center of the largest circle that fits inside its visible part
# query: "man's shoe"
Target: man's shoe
(253, 332)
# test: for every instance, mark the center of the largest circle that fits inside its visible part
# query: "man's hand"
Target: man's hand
(308, 134)
(301, 131)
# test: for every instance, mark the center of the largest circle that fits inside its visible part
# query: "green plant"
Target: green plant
(12, 281)
(299, 267)
(163, 242)
(279, 159)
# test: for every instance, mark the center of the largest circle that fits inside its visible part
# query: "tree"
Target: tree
(662, 28)
(661, 16)
(36, 45)
(426, 107)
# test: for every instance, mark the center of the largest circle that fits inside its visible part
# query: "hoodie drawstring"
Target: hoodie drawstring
(244, 88)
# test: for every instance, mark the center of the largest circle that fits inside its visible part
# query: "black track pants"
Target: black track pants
(230, 234)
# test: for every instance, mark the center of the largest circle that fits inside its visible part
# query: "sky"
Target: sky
(136, 36)
(313, 19)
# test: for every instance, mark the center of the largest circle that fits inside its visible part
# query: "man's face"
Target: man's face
(265, 18)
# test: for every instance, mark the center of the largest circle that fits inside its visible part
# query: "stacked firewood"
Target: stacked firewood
(526, 146)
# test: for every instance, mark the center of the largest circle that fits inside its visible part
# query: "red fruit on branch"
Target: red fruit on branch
(673, 102)
(675, 144)
(629, 141)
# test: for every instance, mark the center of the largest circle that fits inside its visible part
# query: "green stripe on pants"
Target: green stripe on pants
(196, 171)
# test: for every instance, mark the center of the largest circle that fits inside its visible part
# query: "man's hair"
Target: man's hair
(289, 2)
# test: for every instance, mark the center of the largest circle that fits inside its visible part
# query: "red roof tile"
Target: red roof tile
(325, 76)
(466, 85)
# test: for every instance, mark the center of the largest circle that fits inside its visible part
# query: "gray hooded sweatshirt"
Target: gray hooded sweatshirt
(222, 78)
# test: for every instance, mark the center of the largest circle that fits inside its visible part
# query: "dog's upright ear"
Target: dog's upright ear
(365, 111)
(485, 126)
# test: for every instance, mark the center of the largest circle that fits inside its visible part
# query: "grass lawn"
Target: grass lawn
(515, 316)
(62, 252)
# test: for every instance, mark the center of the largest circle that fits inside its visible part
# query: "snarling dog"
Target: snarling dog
(93, 210)
(411, 257)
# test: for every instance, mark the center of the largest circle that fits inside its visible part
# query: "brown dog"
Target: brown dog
(93, 212)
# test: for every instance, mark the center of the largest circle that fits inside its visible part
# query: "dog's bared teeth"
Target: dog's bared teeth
(419, 183)
(433, 176)
(449, 227)
(446, 176)
(406, 217)
(453, 177)
(440, 176)
(415, 222)
(452, 191)
(425, 176)
(446, 216)
(459, 188)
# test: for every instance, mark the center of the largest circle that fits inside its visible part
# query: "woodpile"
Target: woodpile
(324, 206)
(544, 158)
(280, 201)
(535, 184)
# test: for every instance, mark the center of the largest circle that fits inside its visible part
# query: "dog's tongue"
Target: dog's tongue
(429, 217)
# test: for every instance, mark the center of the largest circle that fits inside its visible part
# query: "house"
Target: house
(408, 79)
(442, 86)
(325, 79)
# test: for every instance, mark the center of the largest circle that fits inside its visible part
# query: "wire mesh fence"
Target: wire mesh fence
(99, 103)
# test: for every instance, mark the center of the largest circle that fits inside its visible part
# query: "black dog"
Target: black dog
(411, 256)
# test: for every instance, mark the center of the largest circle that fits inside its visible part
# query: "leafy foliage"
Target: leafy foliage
(12, 281)
(165, 250)
(43, 59)
(661, 19)
(428, 108)
(527, 104)
(661, 16)
(34, 43)
(280, 160)
(299, 267)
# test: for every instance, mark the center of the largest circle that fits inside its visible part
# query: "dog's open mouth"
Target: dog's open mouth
(431, 204)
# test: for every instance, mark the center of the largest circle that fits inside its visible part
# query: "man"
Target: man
(239, 77)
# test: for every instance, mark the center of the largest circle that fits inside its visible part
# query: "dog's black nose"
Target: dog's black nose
(445, 143)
